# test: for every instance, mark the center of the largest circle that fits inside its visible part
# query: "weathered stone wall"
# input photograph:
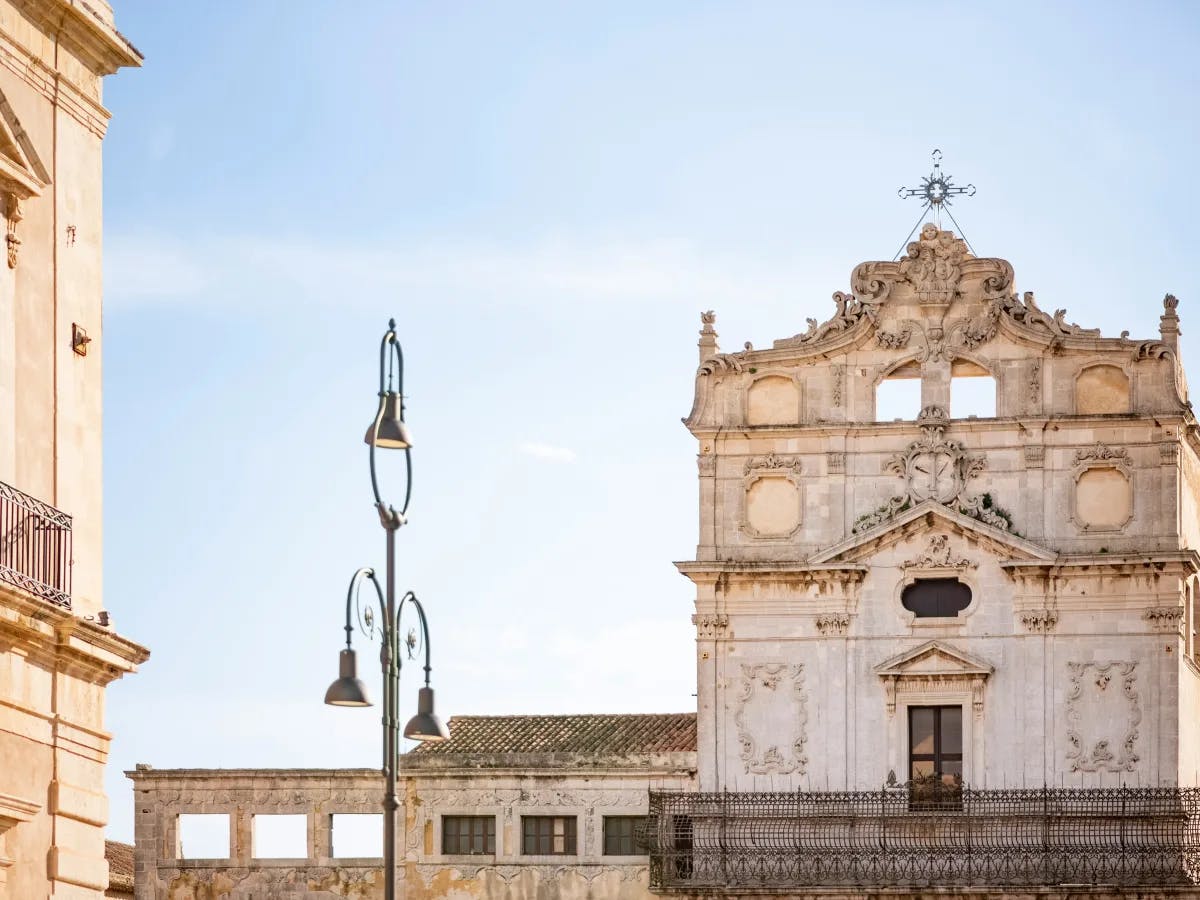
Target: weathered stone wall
(540, 788)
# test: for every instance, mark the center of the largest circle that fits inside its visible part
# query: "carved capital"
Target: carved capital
(1164, 618)
(833, 623)
(710, 627)
(1041, 621)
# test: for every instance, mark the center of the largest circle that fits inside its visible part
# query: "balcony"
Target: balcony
(897, 837)
(35, 546)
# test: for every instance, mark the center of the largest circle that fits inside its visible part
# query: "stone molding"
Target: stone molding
(934, 667)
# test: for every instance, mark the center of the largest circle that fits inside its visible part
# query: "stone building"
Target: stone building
(938, 647)
(58, 649)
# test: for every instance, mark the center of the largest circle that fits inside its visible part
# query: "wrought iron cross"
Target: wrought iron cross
(936, 190)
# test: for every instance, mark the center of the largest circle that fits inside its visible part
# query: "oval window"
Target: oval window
(936, 597)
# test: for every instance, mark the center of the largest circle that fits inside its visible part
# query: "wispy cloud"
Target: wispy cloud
(548, 452)
(257, 272)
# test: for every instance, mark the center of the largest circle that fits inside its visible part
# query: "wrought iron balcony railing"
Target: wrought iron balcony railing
(774, 842)
(35, 546)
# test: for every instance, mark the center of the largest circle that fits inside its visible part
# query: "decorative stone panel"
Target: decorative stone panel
(1103, 713)
(773, 504)
(771, 718)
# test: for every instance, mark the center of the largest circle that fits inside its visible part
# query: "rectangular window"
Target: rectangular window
(547, 835)
(935, 756)
(468, 835)
(624, 835)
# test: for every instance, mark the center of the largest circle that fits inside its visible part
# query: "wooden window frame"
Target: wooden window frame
(481, 827)
(539, 833)
(624, 836)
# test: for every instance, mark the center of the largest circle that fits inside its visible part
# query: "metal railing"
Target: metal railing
(901, 837)
(35, 546)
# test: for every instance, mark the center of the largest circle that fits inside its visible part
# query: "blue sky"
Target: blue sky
(544, 196)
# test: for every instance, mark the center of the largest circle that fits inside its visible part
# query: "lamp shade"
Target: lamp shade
(392, 433)
(348, 690)
(425, 726)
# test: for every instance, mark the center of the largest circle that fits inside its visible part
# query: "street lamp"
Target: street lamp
(389, 431)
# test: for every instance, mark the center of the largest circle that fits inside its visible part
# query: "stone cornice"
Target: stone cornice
(1180, 562)
(79, 25)
(1006, 424)
(57, 638)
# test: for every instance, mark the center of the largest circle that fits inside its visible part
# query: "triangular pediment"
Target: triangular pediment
(929, 517)
(21, 169)
(933, 659)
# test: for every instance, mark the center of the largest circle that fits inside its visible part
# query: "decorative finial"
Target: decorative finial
(708, 335)
(1168, 323)
(936, 190)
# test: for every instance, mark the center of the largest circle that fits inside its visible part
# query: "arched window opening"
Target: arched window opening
(929, 598)
(898, 396)
(972, 391)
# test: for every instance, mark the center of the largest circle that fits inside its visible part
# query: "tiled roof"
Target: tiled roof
(120, 865)
(617, 735)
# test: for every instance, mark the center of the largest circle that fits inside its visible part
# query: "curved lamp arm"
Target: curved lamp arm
(410, 597)
(351, 593)
(390, 345)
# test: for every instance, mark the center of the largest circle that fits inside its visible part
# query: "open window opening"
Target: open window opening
(203, 835)
(280, 836)
(356, 835)
(898, 396)
(972, 391)
(942, 598)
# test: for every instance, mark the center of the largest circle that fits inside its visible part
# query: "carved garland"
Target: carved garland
(939, 555)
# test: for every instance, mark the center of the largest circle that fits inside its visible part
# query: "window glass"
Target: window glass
(468, 835)
(547, 835)
(936, 597)
(624, 835)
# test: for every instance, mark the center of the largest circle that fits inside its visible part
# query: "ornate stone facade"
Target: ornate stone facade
(1068, 517)
(58, 647)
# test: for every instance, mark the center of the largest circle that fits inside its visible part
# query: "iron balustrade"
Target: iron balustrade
(35, 546)
(902, 836)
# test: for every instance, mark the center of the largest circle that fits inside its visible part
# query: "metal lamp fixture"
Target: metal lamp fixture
(388, 431)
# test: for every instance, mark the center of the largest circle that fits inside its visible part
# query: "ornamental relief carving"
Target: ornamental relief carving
(1041, 621)
(849, 311)
(771, 718)
(772, 462)
(833, 623)
(1103, 713)
(939, 555)
(938, 343)
(1164, 618)
(934, 468)
(710, 626)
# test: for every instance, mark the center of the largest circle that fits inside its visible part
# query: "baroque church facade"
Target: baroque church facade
(59, 648)
(933, 650)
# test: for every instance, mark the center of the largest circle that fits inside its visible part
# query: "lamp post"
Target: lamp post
(390, 432)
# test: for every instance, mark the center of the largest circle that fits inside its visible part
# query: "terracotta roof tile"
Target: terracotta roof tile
(621, 734)
(120, 865)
